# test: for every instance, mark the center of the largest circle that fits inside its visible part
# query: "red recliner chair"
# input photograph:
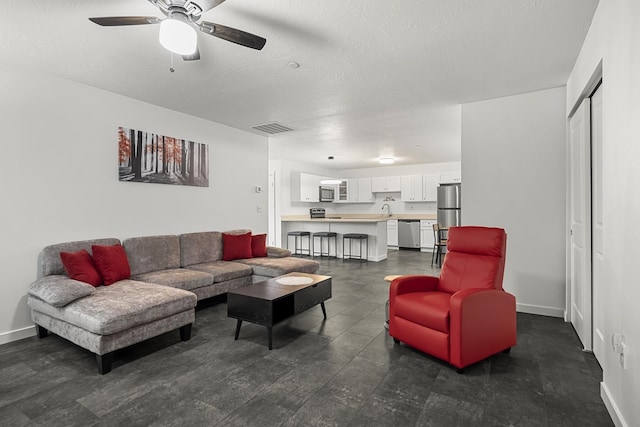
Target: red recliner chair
(463, 316)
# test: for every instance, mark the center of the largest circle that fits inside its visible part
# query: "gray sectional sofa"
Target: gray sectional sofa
(169, 274)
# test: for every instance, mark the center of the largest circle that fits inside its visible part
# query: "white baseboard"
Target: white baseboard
(541, 310)
(18, 334)
(613, 409)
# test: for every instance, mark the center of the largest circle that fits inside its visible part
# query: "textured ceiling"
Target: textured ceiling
(376, 78)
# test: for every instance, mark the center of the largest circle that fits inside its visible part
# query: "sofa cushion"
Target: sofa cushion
(198, 248)
(49, 259)
(259, 245)
(275, 252)
(59, 290)
(273, 267)
(224, 270)
(111, 262)
(152, 253)
(79, 266)
(181, 278)
(121, 306)
(236, 246)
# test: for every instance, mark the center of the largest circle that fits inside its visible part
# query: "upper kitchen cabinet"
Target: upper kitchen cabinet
(342, 194)
(411, 188)
(450, 177)
(430, 188)
(382, 184)
(305, 187)
(359, 190)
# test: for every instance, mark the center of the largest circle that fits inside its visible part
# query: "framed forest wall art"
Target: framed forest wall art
(149, 157)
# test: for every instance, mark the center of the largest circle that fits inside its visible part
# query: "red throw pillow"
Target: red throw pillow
(79, 266)
(259, 245)
(111, 262)
(236, 246)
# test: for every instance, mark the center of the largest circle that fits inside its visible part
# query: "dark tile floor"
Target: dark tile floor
(342, 371)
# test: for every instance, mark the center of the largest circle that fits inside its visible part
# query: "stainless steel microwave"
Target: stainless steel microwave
(327, 194)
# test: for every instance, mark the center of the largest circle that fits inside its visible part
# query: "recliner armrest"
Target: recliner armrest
(415, 283)
(482, 323)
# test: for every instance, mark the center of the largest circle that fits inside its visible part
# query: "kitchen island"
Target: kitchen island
(375, 227)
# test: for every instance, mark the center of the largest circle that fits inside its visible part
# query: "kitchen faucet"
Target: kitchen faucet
(388, 207)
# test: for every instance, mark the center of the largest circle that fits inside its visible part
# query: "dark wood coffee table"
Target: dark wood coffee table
(269, 303)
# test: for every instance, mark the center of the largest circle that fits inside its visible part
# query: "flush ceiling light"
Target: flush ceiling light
(386, 160)
(177, 35)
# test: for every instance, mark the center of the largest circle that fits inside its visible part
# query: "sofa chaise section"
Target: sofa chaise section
(105, 318)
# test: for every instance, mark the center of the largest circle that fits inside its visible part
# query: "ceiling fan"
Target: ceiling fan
(179, 30)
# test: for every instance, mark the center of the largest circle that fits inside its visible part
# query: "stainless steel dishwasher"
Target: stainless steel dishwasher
(409, 233)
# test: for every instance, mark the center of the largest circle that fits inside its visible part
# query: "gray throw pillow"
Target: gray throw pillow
(59, 290)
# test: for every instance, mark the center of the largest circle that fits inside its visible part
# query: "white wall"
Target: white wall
(60, 178)
(614, 41)
(514, 167)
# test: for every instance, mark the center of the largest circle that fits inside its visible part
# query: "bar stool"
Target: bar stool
(299, 250)
(351, 237)
(324, 235)
(439, 243)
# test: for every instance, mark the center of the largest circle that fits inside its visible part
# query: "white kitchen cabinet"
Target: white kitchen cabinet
(305, 187)
(411, 188)
(392, 232)
(364, 190)
(426, 234)
(342, 192)
(382, 184)
(450, 177)
(430, 188)
(359, 190)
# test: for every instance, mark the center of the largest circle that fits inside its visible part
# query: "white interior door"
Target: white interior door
(597, 225)
(580, 218)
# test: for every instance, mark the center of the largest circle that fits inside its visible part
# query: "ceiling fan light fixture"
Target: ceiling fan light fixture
(386, 160)
(177, 35)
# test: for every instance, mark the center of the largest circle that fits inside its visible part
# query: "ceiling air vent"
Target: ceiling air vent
(272, 128)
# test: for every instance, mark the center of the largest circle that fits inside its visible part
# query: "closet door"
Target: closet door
(580, 219)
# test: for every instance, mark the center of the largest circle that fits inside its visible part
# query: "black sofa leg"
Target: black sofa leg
(185, 332)
(42, 332)
(104, 363)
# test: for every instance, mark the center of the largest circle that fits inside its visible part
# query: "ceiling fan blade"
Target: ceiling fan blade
(210, 4)
(193, 57)
(233, 35)
(111, 21)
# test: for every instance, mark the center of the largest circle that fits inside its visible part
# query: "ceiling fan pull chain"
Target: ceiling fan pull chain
(171, 67)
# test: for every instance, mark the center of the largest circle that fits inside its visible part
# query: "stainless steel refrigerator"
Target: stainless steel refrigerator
(449, 205)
